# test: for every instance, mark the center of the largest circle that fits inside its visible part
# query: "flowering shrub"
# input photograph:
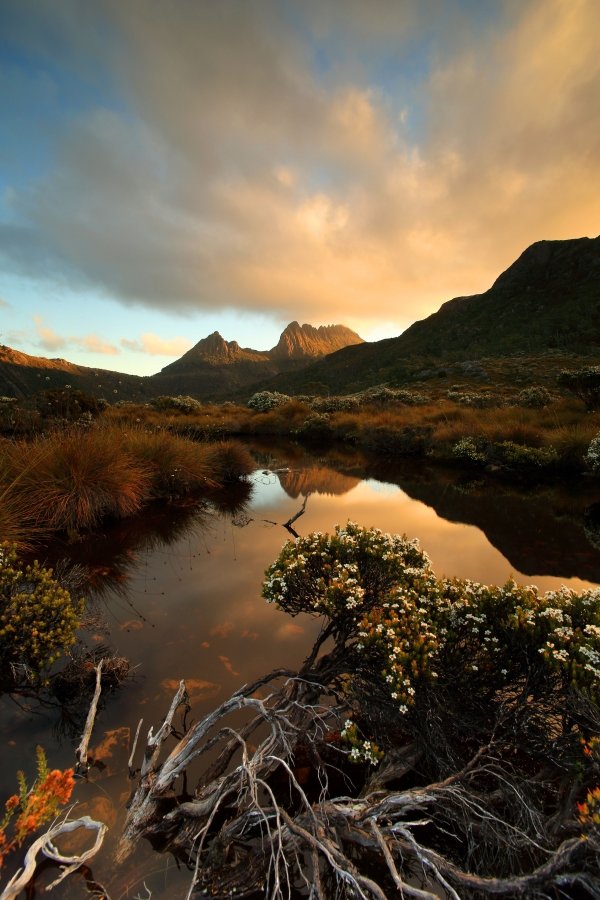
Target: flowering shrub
(522, 457)
(361, 750)
(534, 397)
(468, 449)
(343, 575)
(263, 401)
(483, 400)
(36, 805)
(38, 618)
(180, 403)
(336, 404)
(386, 396)
(407, 628)
(592, 457)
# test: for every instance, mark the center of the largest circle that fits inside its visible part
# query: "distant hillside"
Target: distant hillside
(549, 299)
(22, 375)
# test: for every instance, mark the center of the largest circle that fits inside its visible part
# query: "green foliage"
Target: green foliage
(584, 383)
(315, 427)
(182, 404)
(263, 401)
(67, 403)
(534, 397)
(407, 628)
(469, 450)
(521, 457)
(38, 617)
(592, 457)
(482, 400)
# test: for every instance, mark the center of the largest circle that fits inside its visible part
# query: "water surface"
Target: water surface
(177, 593)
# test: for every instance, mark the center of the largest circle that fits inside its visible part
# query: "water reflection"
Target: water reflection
(550, 531)
(177, 592)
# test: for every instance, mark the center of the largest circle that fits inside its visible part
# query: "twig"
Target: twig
(135, 740)
(82, 750)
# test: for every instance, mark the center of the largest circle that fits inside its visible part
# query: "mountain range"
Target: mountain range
(547, 301)
(212, 369)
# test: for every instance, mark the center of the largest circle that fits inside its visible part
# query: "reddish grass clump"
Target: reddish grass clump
(177, 466)
(76, 478)
(229, 461)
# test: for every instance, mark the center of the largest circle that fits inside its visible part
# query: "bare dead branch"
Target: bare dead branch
(45, 845)
(82, 750)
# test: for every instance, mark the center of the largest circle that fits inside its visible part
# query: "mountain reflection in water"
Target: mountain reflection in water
(177, 593)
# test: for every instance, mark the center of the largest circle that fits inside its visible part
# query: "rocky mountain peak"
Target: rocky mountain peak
(301, 341)
(213, 350)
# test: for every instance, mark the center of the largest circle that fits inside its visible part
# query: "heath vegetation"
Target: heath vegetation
(440, 740)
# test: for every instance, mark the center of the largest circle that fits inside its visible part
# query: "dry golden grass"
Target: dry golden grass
(77, 478)
(20, 518)
(228, 461)
(71, 480)
(177, 466)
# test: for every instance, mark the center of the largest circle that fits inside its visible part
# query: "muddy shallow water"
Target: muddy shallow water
(177, 593)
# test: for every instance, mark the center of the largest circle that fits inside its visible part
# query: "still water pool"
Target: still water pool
(177, 593)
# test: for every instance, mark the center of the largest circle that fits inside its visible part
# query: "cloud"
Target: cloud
(49, 339)
(154, 345)
(95, 344)
(353, 166)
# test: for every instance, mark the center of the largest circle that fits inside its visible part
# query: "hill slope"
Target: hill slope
(22, 375)
(549, 299)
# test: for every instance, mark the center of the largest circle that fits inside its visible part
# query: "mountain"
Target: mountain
(548, 300)
(213, 369)
(302, 341)
(213, 351)
(216, 369)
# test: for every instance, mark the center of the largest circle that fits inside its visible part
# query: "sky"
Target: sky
(168, 169)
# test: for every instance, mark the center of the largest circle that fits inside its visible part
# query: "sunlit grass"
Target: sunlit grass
(72, 479)
(77, 478)
(176, 466)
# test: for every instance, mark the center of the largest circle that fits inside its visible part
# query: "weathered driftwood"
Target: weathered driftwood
(254, 824)
(82, 749)
(45, 845)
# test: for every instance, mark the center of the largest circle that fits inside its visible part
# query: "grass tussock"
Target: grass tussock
(71, 480)
(228, 461)
(79, 478)
(176, 466)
